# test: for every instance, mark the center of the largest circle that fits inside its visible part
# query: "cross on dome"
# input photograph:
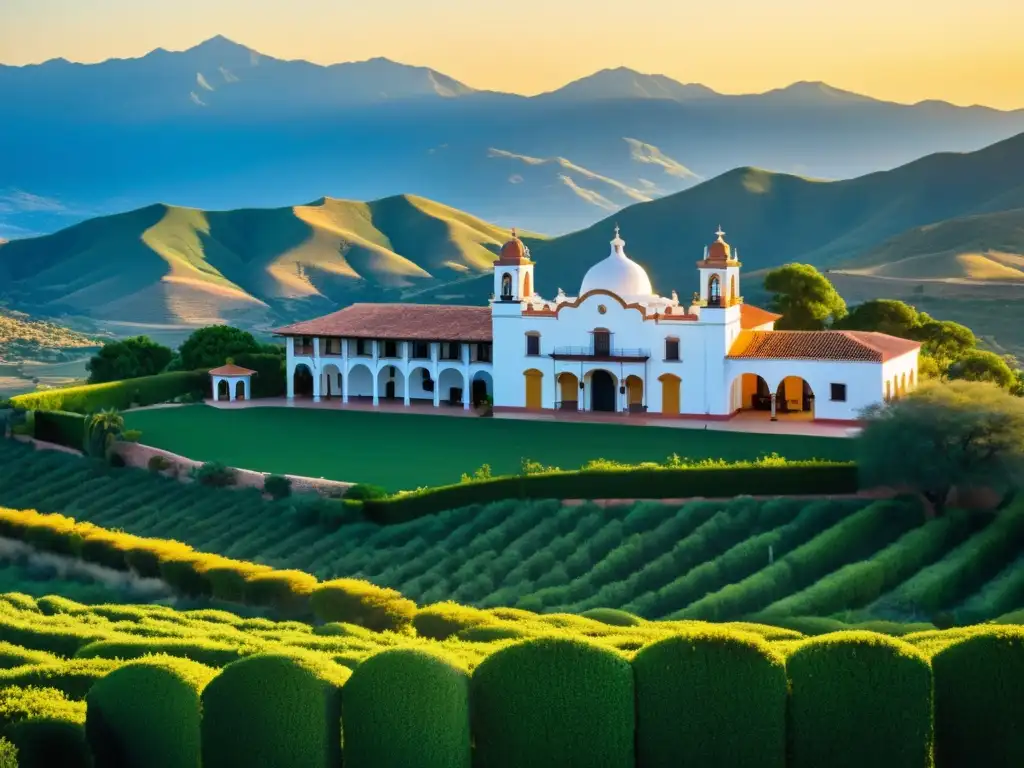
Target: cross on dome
(616, 231)
(720, 234)
(513, 233)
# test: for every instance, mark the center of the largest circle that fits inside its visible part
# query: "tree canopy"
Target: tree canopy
(979, 365)
(211, 346)
(885, 316)
(128, 359)
(804, 297)
(944, 435)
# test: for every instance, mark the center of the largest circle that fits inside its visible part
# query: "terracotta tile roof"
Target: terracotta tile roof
(864, 346)
(415, 322)
(231, 370)
(754, 317)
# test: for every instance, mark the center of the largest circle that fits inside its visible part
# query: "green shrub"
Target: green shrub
(365, 492)
(8, 754)
(228, 581)
(12, 656)
(158, 463)
(427, 725)
(665, 483)
(859, 699)
(978, 700)
(18, 703)
(46, 743)
(214, 474)
(553, 703)
(147, 715)
(198, 649)
(613, 617)
(131, 435)
(713, 697)
(148, 390)
(276, 711)
(182, 573)
(443, 620)
(285, 591)
(74, 677)
(61, 427)
(359, 602)
(278, 486)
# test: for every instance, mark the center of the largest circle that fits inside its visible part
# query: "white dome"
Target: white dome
(618, 274)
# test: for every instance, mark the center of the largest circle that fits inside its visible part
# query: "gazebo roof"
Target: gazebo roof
(231, 370)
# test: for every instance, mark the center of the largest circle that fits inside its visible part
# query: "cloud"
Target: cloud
(17, 200)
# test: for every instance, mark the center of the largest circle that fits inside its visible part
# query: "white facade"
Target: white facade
(617, 347)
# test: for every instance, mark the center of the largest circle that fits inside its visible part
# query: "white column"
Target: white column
(248, 387)
(231, 390)
(290, 370)
(376, 378)
(467, 383)
(774, 417)
(435, 353)
(316, 386)
(216, 389)
(344, 371)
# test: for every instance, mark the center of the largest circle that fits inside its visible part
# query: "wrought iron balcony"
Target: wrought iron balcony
(600, 353)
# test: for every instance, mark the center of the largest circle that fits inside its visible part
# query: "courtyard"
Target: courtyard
(404, 451)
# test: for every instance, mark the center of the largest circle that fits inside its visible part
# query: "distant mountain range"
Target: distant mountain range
(944, 218)
(223, 126)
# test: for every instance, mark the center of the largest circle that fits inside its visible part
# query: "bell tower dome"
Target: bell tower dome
(720, 275)
(513, 272)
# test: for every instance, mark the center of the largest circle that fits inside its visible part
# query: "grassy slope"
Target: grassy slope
(701, 560)
(175, 266)
(182, 266)
(383, 448)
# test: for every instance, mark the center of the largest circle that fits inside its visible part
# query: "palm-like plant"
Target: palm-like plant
(104, 428)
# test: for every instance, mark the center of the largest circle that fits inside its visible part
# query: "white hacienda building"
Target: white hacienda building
(617, 347)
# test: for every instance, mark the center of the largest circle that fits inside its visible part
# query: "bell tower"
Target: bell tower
(513, 273)
(719, 275)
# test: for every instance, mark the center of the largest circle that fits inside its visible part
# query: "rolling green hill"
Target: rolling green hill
(167, 266)
(953, 218)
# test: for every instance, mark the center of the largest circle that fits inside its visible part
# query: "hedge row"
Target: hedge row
(270, 379)
(704, 697)
(147, 390)
(792, 478)
(61, 427)
(290, 593)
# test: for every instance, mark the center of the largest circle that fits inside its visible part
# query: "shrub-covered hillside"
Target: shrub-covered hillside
(778, 560)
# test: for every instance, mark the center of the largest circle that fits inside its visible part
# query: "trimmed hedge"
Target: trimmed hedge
(43, 742)
(147, 715)
(359, 602)
(147, 390)
(859, 699)
(270, 379)
(61, 428)
(273, 709)
(553, 703)
(798, 478)
(407, 707)
(710, 697)
(978, 701)
(443, 620)
(200, 650)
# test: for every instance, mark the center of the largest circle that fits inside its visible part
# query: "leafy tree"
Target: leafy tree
(211, 346)
(943, 435)
(804, 297)
(885, 316)
(128, 359)
(945, 340)
(979, 365)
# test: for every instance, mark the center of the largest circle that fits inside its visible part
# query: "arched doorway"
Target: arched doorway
(670, 390)
(534, 388)
(303, 379)
(714, 291)
(635, 393)
(568, 391)
(482, 387)
(223, 390)
(602, 391)
(390, 383)
(239, 390)
(330, 383)
(794, 395)
(754, 393)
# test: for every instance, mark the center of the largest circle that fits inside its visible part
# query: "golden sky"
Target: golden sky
(962, 51)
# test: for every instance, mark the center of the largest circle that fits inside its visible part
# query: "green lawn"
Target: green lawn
(405, 451)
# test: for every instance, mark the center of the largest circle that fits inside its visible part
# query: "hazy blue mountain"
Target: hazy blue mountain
(222, 126)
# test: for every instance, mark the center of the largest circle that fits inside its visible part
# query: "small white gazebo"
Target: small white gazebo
(231, 375)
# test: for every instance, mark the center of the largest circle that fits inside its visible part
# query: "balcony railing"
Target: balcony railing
(303, 351)
(608, 353)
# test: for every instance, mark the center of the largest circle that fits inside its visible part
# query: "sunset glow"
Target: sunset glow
(901, 50)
